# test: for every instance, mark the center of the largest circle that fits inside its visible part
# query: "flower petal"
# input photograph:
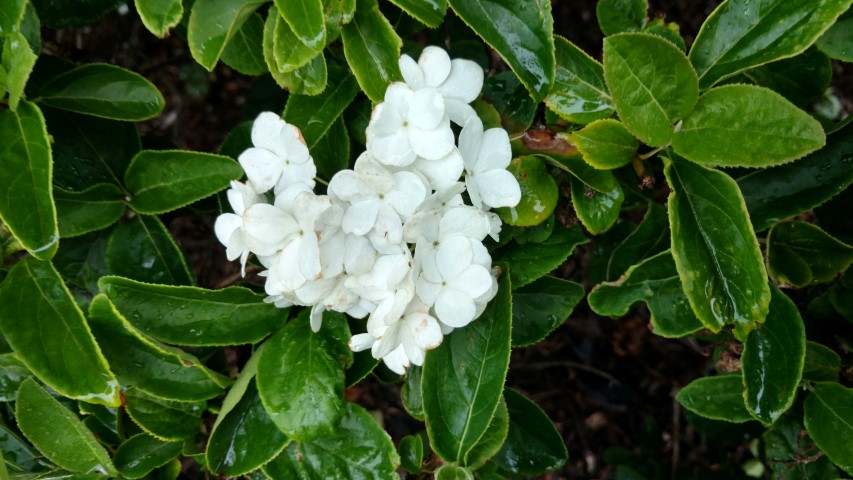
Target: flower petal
(454, 308)
(436, 65)
(412, 73)
(384, 120)
(466, 221)
(297, 151)
(470, 140)
(474, 280)
(426, 109)
(398, 95)
(360, 217)
(464, 82)
(394, 149)
(458, 111)
(454, 255)
(443, 172)
(432, 144)
(499, 188)
(495, 150)
(263, 168)
(225, 226)
(266, 132)
(408, 193)
(361, 342)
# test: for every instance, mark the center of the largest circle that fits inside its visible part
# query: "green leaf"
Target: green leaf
(617, 16)
(12, 373)
(652, 84)
(245, 438)
(81, 260)
(11, 13)
(521, 32)
(829, 420)
(89, 150)
(747, 126)
(510, 100)
(309, 79)
(332, 152)
(212, 24)
(290, 53)
(142, 453)
(717, 398)
(429, 12)
(18, 61)
(154, 368)
(529, 262)
(836, 41)
(649, 238)
(538, 192)
(540, 307)
(453, 472)
(34, 300)
(305, 19)
(104, 91)
(772, 360)
(159, 16)
(654, 281)
(411, 453)
(243, 51)
(821, 363)
(410, 393)
(463, 378)
(598, 180)
(165, 180)
(597, 211)
(30, 27)
(193, 316)
(606, 144)
(358, 449)
(165, 419)
(715, 250)
(142, 249)
(800, 253)
(741, 34)
(789, 452)
(776, 193)
(26, 207)
(94, 209)
(372, 50)
(799, 79)
(579, 93)
(669, 31)
(19, 451)
(533, 445)
(492, 439)
(58, 434)
(315, 115)
(301, 384)
(72, 13)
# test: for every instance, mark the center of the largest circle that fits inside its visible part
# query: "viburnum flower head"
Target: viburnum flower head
(279, 158)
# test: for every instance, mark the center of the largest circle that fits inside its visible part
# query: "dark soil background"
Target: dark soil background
(608, 384)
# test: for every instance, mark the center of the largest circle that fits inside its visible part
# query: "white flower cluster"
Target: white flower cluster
(393, 240)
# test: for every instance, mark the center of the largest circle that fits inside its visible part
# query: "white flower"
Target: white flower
(388, 286)
(267, 229)
(486, 156)
(229, 226)
(459, 81)
(450, 280)
(409, 124)
(280, 157)
(440, 173)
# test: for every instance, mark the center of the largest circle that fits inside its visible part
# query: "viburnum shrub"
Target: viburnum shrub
(409, 176)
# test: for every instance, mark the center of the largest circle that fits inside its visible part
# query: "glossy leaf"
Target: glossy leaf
(715, 250)
(305, 19)
(533, 445)
(87, 211)
(746, 126)
(34, 300)
(301, 384)
(429, 12)
(81, 260)
(821, 363)
(290, 52)
(165, 419)
(245, 438)
(453, 472)
(799, 79)
(59, 435)
(154, 368)
(669, 31)
(606, 144)
(579, 93)
(212, 24)
(717, 398)
(829, 420)
(104, 91)
(17, 450)
(492, 439)
(463, 378)
(654, 281)
(193, 316)
(410, 393)
(617, 16)
(597, 211)
(540, 307)
(315, 115)
(649, 238)
(142, 249)
(510, 100)
(784, 191)
(836, 41)
(538, 192)
(30, 27)
(165, 180)
(372, 50)
(411, 453)
(89, 150)
(142, 453)
(651, 82)
(521, 32)
(72, 13)
(741, 34)
(772, 360)
(789, 449)
(17, 61)
(12, 373)
(159, 16)
(11, 14)
(530, 262)
(800, 253)
(598, 180)
(332, 152)
(243, 51)
(26, 207)
(309, 79)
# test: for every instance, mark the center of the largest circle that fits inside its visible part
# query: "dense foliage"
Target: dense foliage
(114, 363)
